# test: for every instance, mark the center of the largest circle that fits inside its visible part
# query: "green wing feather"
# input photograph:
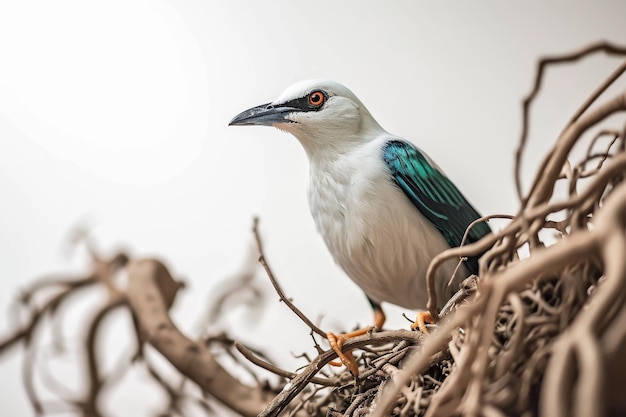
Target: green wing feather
(433, 194)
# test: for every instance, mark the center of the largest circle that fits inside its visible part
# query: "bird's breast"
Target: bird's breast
(373, 231)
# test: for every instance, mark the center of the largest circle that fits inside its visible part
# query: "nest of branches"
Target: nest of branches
(538, 334)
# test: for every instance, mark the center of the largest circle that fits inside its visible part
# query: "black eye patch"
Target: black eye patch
(304, 103)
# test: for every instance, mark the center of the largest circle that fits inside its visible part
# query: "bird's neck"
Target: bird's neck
(322, 152)
(326, 145)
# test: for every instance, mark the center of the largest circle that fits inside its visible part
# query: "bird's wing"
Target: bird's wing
(434, 195)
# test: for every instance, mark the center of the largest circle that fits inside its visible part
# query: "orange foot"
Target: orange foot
(422, 318)
(337, 341)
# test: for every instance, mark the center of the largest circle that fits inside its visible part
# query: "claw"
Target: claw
(337, 341)
(422, 318)
(347, 358)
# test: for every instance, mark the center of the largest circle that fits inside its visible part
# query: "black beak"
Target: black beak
(263, 115)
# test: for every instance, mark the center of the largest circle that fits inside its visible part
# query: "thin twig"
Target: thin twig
(270, 275)
(278, 371)
(544, 63)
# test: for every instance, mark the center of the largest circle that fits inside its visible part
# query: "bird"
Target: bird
(382, 206)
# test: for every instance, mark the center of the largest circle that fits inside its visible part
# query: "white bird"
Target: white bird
(382, 206)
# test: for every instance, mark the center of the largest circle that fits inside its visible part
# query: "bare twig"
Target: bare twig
(278, 371)
(281, 294)
(544, 63)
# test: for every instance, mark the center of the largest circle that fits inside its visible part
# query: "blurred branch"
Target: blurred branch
(150, 293)
(63, 289)
(151, 290)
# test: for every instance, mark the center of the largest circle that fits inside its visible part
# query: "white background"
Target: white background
(114, 114)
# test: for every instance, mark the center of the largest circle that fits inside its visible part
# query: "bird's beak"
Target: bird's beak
(264, 115)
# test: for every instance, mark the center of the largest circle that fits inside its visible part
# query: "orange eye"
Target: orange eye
(316, 98)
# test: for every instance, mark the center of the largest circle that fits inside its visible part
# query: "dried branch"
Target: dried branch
(544, 63)
(150, 291)
(277, 287)
(278, 371)
(63, 289)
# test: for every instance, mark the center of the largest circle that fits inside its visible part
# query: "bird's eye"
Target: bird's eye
(316, 99)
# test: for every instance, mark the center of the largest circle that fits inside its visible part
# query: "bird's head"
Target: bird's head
(321, 114)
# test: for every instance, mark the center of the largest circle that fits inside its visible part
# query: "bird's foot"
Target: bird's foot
(422, 318)
(347, 358)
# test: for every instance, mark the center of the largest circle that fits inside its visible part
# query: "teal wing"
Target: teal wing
(433, 194)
